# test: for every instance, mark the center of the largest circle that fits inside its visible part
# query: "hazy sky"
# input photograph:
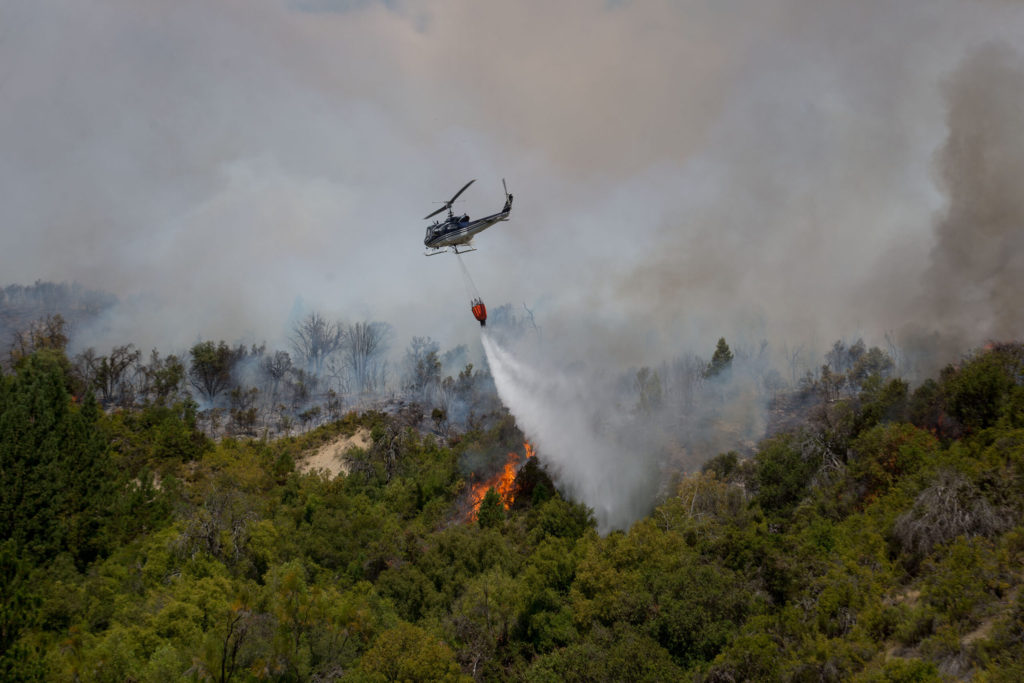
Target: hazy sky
(682, 170)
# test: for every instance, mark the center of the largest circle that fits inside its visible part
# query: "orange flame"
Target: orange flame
(503, 482)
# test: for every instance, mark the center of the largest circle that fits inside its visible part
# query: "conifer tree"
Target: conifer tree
(721, 359)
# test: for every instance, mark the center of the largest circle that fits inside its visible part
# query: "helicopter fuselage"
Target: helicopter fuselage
(459, 230)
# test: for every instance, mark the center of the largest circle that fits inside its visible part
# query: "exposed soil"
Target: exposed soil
(330, 458)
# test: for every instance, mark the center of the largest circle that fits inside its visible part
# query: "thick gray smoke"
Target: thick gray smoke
(975, 282)
(759, 163)
(791, 170)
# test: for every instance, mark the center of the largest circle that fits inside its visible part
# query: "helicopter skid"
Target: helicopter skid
(443, 250)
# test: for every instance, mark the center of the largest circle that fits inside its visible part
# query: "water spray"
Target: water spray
(557, 411)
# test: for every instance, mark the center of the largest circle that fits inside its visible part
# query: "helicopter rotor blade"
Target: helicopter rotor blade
(448, 204)
(452, 200)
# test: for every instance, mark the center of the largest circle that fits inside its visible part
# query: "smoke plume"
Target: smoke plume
(796, 171)
(976, 277)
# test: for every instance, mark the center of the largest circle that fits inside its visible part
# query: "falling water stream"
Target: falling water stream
(556, 409)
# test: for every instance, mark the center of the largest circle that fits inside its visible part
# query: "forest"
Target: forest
(158, 524)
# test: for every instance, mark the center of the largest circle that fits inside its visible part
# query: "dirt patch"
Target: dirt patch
(984, 629)
(330, 457)
(908, 598)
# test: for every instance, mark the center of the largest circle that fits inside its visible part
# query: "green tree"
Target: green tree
(720, 360)
(164, 378)
(978, 392)
(410, 653)
(492, 511)
(723, 465)
(620, 653)
(782, 470)
(483, 618)
(559, 518)
(56, 478)
(18, 609)
(211, 368)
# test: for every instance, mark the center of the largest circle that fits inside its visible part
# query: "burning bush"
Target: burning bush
(503, 483)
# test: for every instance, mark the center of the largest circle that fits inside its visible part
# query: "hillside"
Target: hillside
(873, 536)
(879, 540)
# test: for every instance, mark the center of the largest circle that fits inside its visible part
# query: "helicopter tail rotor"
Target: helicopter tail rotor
(508, 197)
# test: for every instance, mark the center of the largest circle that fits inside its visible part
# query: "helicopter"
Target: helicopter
(459, 230)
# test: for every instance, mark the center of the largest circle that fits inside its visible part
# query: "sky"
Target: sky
(795, 170)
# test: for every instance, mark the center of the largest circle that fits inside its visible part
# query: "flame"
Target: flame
(503, 482)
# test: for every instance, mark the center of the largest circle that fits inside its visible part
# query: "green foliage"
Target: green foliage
(858, 547)
(962, 580)
(753, 657)
(57, 481)
(650, 579)
(608, 654)
(881, 402)
(18, 613)
(925, 407)
(492, 512)
(782, 469)
(1003, 652)
(721, 359)
(885, 453)
(409, 653)
(559, 518)
(723, 464)
(157, 434)
(983, 389)
(904, 671)
(532, 486)
(211, 367)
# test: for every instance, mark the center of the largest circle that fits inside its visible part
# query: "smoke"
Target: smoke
(791, 170)
(976, 275)
(611, 437)
(757, 163)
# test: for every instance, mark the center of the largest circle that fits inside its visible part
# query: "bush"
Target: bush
(951, 506)
(782, 471)
(980, 392)
(885, 453)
